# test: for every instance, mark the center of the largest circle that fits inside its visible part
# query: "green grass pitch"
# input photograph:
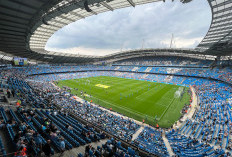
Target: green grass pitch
(141, 100)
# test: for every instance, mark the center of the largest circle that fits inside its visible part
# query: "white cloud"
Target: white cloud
(85, 51)
(127, 28)
(182, 42)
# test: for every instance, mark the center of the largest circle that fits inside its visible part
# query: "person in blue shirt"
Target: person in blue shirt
(44, 128)
(62, 145)
(38, 140)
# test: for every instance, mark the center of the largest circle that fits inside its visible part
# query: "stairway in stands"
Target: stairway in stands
(135, 69)
(148, 69)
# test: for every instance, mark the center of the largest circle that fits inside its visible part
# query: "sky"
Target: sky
(145, 26)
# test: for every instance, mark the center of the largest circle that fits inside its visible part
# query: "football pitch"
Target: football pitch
(141, 100)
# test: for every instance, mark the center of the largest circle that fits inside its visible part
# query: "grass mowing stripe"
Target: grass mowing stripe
(125, 108)
(146, 92)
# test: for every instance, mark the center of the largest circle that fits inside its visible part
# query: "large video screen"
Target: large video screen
(20, 61)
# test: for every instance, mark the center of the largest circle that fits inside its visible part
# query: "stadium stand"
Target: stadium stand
(207, 133)
(165, 61)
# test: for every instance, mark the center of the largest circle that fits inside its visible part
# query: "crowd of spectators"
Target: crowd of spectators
(210, 126)
(164, 61)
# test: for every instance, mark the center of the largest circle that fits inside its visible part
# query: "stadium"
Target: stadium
(139, 102)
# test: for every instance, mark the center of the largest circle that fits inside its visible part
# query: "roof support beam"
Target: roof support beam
(7, 34)
(10, 36)
(6, 7)
(107, 6)
(223, 22)
(14, 16)
(13, 26)
(218, 32)
(44, 28)
(7, 20)
(43, 36)
(26, 5)
(39, 40)
(224, 27)
(14, 47)
(93, 12)
(10, 39)
(45, 31)
(11, 30)
(223, 10)
(56, 21)
(76, 14)
(3, 44)
(214, 36)
(56, 59)
(221, 4)
(222, 16)
(131, 3)
(66, 18)
(27, 54)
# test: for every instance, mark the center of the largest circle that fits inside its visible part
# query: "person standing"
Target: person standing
(12, 92)
(38, 141)
(47, 148)
(62, 145)
(8, 93)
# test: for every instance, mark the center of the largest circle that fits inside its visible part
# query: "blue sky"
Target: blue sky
(150, 25)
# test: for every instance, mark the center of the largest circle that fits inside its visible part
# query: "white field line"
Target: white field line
(166, 107)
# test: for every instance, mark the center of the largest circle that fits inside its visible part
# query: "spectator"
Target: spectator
(47, 148)
(62, 145)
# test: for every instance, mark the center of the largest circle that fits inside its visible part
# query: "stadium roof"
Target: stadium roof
(27, 25)
(218, 40)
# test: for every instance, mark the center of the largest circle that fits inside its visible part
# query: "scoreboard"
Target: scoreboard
(20, 61)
